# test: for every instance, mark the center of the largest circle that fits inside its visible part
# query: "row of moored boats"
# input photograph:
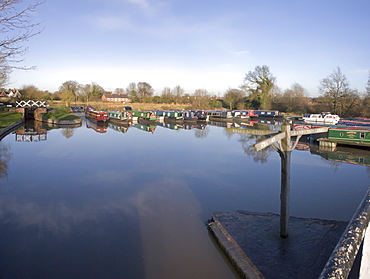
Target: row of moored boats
(128, 115)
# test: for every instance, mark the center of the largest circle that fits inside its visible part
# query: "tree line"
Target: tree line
(258, 90)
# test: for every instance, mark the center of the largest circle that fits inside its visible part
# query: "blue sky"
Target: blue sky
(197, 44)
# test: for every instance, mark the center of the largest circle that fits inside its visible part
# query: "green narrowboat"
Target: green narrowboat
(147, 115)
(118, 116)
(349, 136)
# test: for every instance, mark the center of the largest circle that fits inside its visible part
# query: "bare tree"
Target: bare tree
(131, 91)
(72, 87)
(295, 99)
(144, 91)
(177, 93)
(16, 28)
(166, 96)
(334, 87)
(232, 97)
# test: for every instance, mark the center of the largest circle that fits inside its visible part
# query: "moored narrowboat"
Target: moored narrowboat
(267, 113)
(146, 115)
(173, 115)
(347, 136)
(96, 115)
(118, 116)
(189, 116)
(219, 114)
(201, 115)
(243, 114)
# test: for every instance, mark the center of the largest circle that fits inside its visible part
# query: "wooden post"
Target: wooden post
(285, 154)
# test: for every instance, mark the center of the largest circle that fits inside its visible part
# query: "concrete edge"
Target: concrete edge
(239, 259)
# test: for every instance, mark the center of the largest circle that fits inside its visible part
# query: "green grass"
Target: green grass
(9, 118)
(60, 113)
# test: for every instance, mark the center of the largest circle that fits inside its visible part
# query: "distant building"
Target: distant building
(13, 93)
(117, 98)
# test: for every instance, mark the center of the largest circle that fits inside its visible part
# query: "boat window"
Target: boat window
(362, 135)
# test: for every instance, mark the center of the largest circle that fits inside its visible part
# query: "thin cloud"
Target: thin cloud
(112, 22)
(240, 53)
(142, 3)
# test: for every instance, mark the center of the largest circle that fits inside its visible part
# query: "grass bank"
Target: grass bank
(60, 113)
(9, 118)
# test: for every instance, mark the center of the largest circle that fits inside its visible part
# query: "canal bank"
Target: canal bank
(253, 244)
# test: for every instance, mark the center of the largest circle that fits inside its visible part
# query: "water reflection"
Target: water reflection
(113, 204)
(5, 156)
(32, 131)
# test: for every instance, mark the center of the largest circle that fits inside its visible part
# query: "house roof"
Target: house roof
(115, 95)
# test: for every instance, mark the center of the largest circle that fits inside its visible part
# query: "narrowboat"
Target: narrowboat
(189, 116)
(347, 136)
(267, 113)
(118, 116)
(201, 115)
(146, 115)
(173, 115)
(243, 114)
(324, 117)
(99, 116)
(219, 114)
(357, 121)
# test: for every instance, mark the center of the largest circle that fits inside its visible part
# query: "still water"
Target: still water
(113, 202)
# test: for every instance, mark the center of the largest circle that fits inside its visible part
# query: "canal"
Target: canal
(133, 202)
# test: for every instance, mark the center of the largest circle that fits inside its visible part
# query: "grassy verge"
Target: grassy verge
(9, 118)
(60, 113)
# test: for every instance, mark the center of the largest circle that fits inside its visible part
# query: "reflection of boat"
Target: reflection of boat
(96, 115)
(343, 154)
(100, 127)
(122, 127)
(144, 127)
(325, 117)
(172, 126)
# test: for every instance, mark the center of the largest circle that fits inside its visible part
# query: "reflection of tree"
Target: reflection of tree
(4, 159)
(201, 134)
(67, 132)
(248, 141)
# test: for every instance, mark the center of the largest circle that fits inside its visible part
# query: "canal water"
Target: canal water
(133, 202)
